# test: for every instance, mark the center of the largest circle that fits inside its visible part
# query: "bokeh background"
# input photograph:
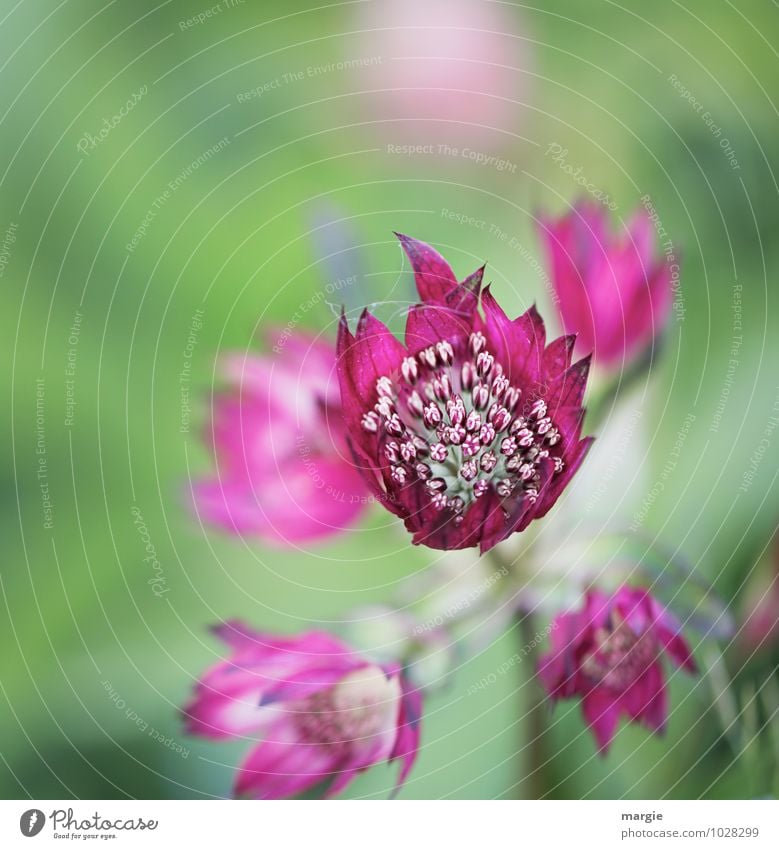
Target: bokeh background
(281, 128)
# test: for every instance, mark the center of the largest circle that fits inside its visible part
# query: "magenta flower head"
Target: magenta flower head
(322, 712)
(612, 291)
(470, 428)
(609, 654)
(284, 468)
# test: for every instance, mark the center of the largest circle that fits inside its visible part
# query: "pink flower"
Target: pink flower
(322, 712)
(284, 469)
(760, 611)
(470, 429)
(610, 654)
(611, 291)
(449, 72)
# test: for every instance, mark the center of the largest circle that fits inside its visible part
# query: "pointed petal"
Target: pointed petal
(641, 237)
(558, 354)
(567, 390)
(568, 421)
(283, 766)
(407, 741)
(483, 524)
(529, 345)
(647, 312)
(373, 352)
(498, 330)
(341, 780)
(465, 298)
(527, 509)
(571, 253)
(377, 350)
(313, 679)
(647, 700)
(558, 668)
(601, 712)
(427, 324)
(434, 277)
(232, 710)
(677, 648)
(560, 481)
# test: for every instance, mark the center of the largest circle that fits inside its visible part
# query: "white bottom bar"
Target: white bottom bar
(395, 824)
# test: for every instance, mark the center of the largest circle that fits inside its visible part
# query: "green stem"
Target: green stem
(532, 708)
(534, 712)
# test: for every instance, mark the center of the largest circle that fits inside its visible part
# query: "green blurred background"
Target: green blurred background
(93, 665)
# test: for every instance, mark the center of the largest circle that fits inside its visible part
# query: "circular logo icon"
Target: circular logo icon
(31, 822)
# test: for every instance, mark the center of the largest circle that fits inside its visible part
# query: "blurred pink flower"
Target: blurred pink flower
(609, 654)
(760, 611)
(284, 471)
(322, 712)
(471, 429)
(443, 71)
(612, 291)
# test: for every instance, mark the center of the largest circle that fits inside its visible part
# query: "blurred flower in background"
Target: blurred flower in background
(278, 436)
(759, 615)
(471, 429)
(450, 71)
(612, 290)
(323, 712)
(609, 654)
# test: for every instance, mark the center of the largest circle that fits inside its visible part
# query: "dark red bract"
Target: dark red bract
(471, 429)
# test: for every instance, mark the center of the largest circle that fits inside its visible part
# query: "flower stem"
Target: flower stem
(532, 708)
(534, 714)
